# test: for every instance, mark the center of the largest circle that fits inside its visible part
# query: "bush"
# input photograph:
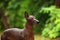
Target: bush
(52, 26)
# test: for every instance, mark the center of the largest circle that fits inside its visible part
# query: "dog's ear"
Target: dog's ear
(26, 14)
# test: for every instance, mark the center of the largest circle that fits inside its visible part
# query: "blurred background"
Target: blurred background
(46, 11)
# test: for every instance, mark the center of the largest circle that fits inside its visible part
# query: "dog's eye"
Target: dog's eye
(31, 18)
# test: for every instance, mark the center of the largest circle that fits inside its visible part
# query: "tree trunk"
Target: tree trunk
(57, 3)
(5, 19)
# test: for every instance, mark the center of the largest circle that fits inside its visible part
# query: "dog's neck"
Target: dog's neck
(29, 34)
(29, 27)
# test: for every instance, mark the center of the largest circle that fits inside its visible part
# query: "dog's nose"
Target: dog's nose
(37, 21)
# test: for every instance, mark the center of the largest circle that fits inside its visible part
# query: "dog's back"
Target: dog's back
(13, 34)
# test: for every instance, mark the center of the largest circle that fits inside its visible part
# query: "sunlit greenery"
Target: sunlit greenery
(52, 26)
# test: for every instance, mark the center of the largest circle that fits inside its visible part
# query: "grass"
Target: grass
(39, 37)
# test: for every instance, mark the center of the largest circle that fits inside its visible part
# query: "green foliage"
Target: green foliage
(52, 26)
(15, 11)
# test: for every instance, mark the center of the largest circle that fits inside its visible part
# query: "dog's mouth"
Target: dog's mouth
(38, 22)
